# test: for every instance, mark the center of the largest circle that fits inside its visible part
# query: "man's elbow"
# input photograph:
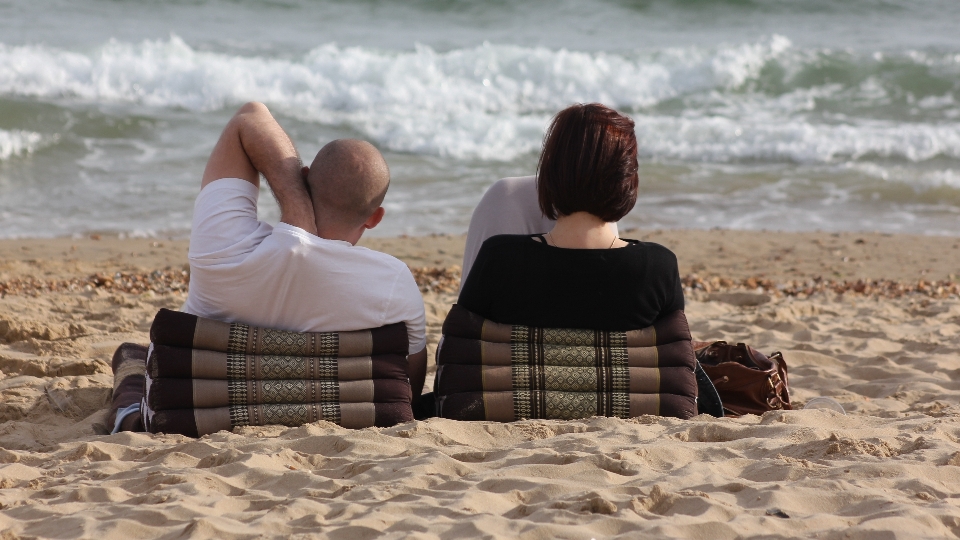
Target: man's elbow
(252, 108)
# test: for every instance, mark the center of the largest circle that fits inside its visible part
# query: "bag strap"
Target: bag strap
(783, 385)
(708, 399)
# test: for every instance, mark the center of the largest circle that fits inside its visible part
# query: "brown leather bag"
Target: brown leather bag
(748, 381)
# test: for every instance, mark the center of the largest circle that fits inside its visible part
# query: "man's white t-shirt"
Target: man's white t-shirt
(244, 270)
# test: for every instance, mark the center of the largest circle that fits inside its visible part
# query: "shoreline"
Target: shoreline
(728, 252)
(710, 261)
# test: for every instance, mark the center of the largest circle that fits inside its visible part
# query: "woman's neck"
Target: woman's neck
(582, 230)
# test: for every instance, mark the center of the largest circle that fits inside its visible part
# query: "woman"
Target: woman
(579, 274)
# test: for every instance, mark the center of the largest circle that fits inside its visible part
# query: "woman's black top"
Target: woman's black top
(519, 280)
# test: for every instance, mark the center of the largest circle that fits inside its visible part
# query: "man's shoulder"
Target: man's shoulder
(381, 258)
(337, 252)
(384, 268)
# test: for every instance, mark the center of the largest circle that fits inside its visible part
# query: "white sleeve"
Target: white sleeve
(225, 225)
(407, 305)
(509, 206)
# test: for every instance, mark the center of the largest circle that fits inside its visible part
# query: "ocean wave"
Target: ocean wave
(492, 102)
(486, 102)
(488, 77)
(917, 180)
(18, 143)
(719, 139)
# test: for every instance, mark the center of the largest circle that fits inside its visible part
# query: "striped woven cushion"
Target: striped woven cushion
(177, 329)
(491, 371)
(201, 376)
(183, 363)
(199, 422)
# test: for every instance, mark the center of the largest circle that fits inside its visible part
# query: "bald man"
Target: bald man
(306, 274)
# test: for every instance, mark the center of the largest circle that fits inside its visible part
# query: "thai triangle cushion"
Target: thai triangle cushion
(492, 371)
(201, 376)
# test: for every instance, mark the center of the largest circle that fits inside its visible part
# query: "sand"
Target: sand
(889, 468)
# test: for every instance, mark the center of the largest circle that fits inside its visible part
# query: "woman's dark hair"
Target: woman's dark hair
(588, 164)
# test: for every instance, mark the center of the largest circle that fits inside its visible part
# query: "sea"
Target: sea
(790, 115)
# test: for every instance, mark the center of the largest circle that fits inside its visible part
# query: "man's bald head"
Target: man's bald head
(348, 180)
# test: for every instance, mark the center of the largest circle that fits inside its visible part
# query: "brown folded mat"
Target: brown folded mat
(181, 363)
(199, 422)
(462, 323)
(465, 351)
(128, 364)
(177, 329)
(492, 371)
(162, 394)
(511, 406)
(209, 376)
(454, 378)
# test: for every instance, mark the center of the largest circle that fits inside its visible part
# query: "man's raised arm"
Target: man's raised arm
(253, 143)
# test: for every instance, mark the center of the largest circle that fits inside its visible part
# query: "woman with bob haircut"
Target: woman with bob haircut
(579, 274)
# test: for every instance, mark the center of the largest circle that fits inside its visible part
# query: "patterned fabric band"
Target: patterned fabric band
(458, 350)
(177, 329)
(462, 323)
(453, 378)
(164, 394)
(182, 363)
(503, 406)
(564, 373)
(199, 422)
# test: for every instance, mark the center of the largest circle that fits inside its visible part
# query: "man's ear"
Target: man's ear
(374, 218)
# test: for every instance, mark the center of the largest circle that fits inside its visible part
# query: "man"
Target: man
(306, 274)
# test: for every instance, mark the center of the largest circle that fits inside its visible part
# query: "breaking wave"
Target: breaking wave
(753, 101)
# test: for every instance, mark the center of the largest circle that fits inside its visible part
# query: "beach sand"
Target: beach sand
(888, 351)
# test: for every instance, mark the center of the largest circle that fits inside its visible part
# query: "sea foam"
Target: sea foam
(719, 139)
(18, 142)
(492, 102)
